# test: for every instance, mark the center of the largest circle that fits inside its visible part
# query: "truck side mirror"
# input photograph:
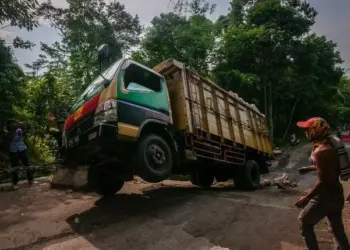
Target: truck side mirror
(102, 52)
(103, 55)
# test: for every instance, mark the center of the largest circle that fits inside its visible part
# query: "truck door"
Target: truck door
(142, 95)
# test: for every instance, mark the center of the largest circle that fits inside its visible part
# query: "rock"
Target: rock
(76, 220)
(219, 248)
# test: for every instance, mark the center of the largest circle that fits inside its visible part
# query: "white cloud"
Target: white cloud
(44, 22)
(56, 3)
(6, 35)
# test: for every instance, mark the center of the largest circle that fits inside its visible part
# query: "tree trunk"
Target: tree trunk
(290, 118)
(271, 112)
(266, 104)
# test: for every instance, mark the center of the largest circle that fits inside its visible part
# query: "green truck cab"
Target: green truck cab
(133, 120)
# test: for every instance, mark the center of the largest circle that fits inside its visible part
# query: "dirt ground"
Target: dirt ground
(169, 215)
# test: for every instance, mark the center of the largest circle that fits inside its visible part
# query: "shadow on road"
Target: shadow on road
(218, 221)
(110, 210)
(115, 209)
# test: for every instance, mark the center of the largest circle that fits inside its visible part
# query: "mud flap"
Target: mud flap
(71, 178)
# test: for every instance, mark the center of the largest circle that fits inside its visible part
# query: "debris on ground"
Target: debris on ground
(277, 151)
(219, 248)
(76, 220)
(282, 182)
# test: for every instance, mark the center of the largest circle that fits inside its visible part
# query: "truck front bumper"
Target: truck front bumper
(89, 144)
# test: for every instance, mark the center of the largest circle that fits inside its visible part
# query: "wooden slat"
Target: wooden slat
(253, 129)
(203, 106)
(239, 122)
(229, 119)
(217, 113)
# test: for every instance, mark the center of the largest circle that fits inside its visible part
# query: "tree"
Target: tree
(11, 80)
(268, 56)
(193, 7)
(342, 98)
(189, 39)
(235, 16)
(85, 25)
(20, 13)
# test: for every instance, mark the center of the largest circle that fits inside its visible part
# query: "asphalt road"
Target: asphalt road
(169, 215)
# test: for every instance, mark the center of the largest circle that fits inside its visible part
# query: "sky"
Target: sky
(333, 21)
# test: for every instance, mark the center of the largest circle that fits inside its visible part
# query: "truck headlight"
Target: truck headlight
(106, 112)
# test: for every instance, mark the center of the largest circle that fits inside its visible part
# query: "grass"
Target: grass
(39, 154)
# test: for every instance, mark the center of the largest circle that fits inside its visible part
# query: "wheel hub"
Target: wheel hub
(157, 154)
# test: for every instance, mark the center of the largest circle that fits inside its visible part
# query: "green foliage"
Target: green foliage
(20, 43)
(295, 74)
(11, 80)
(193, 7)
(263, 50)
(85, 25)
(189, 39)
(64, 68)
(20, 13)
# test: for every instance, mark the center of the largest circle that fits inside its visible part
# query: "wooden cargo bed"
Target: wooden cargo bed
(217, 124)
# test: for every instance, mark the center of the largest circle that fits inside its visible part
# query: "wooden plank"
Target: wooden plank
(188, 100)
(229, 119)
(203, 106)
(258, 132)
(217, 113)
(253, 130)
(238, 115)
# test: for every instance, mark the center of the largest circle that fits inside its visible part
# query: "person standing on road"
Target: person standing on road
(18, 151)
(326, 199)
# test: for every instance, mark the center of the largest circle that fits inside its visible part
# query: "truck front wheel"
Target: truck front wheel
(248, 177)
(154, 158)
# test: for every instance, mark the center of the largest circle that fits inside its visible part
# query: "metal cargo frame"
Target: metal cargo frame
(217, 124)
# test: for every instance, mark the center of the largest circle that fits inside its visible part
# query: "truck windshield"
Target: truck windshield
(108, 74)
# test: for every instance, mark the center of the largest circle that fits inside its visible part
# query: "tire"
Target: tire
(264, 168)
(103, 183)
(248, 177)
(154, 158)
(202, 178)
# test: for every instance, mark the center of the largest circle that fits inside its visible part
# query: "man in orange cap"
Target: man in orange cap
(326, 199)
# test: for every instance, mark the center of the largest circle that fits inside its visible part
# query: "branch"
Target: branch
(291, 118)
(3, 27)
(56, 26)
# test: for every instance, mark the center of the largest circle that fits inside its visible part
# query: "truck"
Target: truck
(169, 120)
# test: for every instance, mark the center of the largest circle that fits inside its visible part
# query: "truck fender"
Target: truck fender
(149, 122)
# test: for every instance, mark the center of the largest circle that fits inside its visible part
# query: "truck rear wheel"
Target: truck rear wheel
(202, 178)
(103, 183)
(248, 177)
(154, 158)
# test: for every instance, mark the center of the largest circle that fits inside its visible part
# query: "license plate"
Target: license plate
(92, 136)
(74, 141)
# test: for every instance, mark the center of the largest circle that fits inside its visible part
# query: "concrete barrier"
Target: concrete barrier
(71, 178)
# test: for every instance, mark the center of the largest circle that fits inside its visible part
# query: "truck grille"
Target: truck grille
(81, 127)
